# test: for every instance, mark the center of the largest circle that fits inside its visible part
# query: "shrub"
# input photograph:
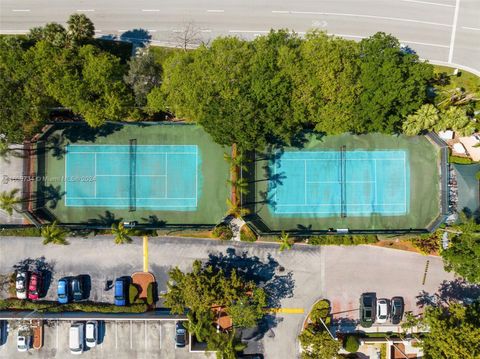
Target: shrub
(247, 235)
(477, 175)
(321, 310)
(351, 343)
(460, 160)
(21, 232)
(132, 293)
(344, 240)
(427, 243)
(223, 232)
(55, 307)
(150, 294)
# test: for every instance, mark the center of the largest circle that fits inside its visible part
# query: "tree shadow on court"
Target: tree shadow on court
(154, 221)
(41, 266)
(55, 144)
(86, 133)
(272, 277)
(50, 195)
(104, 220)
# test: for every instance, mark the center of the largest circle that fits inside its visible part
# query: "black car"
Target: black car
(76, 286)
(180, 335)
(368, 302)
(397, 307)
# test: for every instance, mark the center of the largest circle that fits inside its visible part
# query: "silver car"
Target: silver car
(382, 310)
(91, 333)
(21, 284)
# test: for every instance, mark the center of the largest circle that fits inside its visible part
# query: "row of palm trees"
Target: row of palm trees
(238, 184)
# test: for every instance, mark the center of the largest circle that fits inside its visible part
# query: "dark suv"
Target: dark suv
(367, 309)
(76, 285)
(397, 309)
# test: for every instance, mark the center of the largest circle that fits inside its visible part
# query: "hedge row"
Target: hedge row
(344, 240)
(54, 307)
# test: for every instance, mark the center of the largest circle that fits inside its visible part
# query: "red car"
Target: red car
(34, 286)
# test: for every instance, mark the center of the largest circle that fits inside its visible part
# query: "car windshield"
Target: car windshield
(367, 301)
(368, 313)
(383, 317)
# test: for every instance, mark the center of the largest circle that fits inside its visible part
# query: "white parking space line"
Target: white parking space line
(425, 43)
(249, 31)
(428, 3)
(375, 17)
(151, 10)
(216, 10)
(116, 334)
(145, 334)
(21, 10)
(454, 31)
(471, 28)
(131, 339)
(160, 330)
(85, 10)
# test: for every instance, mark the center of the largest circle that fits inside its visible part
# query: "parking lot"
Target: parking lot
(117, 339)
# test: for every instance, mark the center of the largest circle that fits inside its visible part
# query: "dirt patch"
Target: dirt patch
(403, 245)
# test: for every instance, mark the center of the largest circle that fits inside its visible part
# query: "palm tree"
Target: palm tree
(237, 161)
(426, 118)
(80, 28)
(285, 241)
(54, 234)
(240, 185)
(122, 234)
(8, 200)
(226, 345)
(235, 209)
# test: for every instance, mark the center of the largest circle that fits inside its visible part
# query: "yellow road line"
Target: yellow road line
(287, 310)
(145, 253)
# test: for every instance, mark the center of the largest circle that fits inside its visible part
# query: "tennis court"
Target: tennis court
(162, 177)
(340, 183)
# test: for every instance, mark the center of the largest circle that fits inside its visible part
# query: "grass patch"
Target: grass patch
(247, 235)
(346, 240)
(21, 232)
(460, 160)
(463, 79)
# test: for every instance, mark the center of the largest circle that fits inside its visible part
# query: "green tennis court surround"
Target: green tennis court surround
(157, 174)
(365, 182)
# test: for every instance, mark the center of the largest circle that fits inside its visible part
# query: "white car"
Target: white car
(382, 310)
(91, 331)
(23, 340)
(21, 284)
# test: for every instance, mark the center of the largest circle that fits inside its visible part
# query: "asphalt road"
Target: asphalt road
(295, 279)
(446, 31)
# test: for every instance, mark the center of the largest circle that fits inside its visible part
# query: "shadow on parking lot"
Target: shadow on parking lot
(41, 266)
(102, 329)
(87, 285)
(457, 290)
(272, 277)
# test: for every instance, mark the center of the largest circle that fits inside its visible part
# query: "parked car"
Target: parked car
(367, 309)
(91, 333)
(383, 306)
(397, 308)
(120, 295)
(63, 292)
(24, 339)
(76, 286)
(34, 286)
(21, 284)
(76, 338)
(180, 335)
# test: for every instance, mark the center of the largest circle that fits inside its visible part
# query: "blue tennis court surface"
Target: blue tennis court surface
(160, 177)
(347, 183)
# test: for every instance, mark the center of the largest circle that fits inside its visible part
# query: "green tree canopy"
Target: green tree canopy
(463, 256)
(143, 75)
(52, 33)
(454, 332)
(207, 286)
(425, 118)
(317, 343)
(393, 83)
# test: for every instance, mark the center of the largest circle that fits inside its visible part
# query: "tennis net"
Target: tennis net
(133, 172)
(343, 180)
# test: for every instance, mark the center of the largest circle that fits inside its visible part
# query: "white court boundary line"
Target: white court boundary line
(160, 207)
(373, 205)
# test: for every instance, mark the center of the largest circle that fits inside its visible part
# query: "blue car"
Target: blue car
(62, 291)
(120, 292)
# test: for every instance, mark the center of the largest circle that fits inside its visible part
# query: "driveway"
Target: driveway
(295, 279)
